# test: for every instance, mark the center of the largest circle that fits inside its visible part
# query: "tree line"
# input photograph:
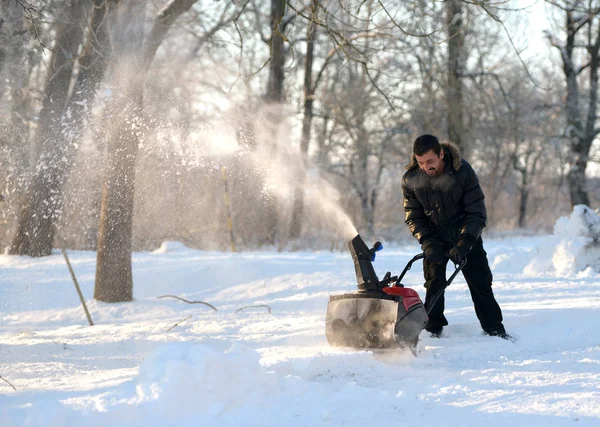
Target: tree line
(126, 123)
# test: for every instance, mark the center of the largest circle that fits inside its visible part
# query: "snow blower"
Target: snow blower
(381, 314)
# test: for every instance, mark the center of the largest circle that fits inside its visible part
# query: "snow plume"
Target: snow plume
(285, 169)
(257, 153)
(325, 198)
(574, 248)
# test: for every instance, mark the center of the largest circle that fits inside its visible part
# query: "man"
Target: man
(445, 211)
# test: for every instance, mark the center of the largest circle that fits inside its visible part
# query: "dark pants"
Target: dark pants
(479, 278)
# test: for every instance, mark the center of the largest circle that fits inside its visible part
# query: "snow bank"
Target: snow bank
(186, 383)
(574, 248)
(189, 380)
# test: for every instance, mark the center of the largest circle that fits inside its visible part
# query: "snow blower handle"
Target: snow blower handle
(457, 269)
(408, 266)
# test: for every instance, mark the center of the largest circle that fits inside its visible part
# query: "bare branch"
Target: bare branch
(8, 382)
(165, 19)
(512, 43)
(30, 11)
(189, 302)
(223, 20)
(360, 6)
(408, 33)
(339, 46)
(254, 306)
(177, 323)
(77, 288)
(377, 86)
(582, 68)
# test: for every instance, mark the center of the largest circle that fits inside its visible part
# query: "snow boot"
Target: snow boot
(498, 331)
(434, 327)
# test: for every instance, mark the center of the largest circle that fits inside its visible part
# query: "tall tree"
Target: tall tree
(273, 96)
(274, 92)
(309, 94)
(579, 53)
(126, 125)
(114, 280)
(14, 109)
(42, 203)
(456, 58)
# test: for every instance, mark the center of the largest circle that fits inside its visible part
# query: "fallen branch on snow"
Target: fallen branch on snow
(189, 302)
(254, 306)
(181, 321)
(8, 382)
(87, 313)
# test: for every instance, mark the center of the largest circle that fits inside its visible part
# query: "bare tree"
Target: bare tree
(309, 94)
(114, 282)
(15, 112)
(274, 92)
(42, 204)
(579, 53)
(455, 59)
(125, 113)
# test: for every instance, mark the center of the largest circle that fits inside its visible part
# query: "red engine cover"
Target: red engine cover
(410, 297)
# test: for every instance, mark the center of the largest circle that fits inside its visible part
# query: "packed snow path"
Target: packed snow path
(137, 366)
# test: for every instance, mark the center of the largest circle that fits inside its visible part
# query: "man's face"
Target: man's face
(431, 163)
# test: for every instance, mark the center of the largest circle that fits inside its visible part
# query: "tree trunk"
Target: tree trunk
(580, 135)
(454, 96)
(577, 181)
(93, 62)
(361, 167)
(124, 123)
(368, 212)
(363, 183)
(275, 83)
(14, 129)
(523, 197)
(42, 204)
(114, 282)
(274, 95)
(309, 92)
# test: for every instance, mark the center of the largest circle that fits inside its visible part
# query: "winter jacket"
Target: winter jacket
(438, 210)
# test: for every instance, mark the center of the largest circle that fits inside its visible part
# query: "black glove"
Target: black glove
(459, 252)
(434, 253)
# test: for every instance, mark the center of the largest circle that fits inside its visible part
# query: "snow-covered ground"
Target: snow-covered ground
(138, 367)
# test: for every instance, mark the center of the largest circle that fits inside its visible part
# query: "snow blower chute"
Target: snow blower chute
(381, 314)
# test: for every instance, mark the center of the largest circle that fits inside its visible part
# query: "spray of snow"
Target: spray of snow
(279, 164)
(320, 193)
(287, 168)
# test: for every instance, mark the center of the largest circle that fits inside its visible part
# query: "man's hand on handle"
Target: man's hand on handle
(459, 252)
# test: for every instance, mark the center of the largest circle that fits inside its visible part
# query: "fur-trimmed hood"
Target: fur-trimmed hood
(451, 150)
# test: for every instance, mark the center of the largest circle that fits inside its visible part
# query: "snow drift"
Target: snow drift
(574, 248)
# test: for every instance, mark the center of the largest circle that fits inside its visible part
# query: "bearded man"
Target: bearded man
(445, 211)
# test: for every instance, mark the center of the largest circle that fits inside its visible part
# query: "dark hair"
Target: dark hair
(425, 143)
